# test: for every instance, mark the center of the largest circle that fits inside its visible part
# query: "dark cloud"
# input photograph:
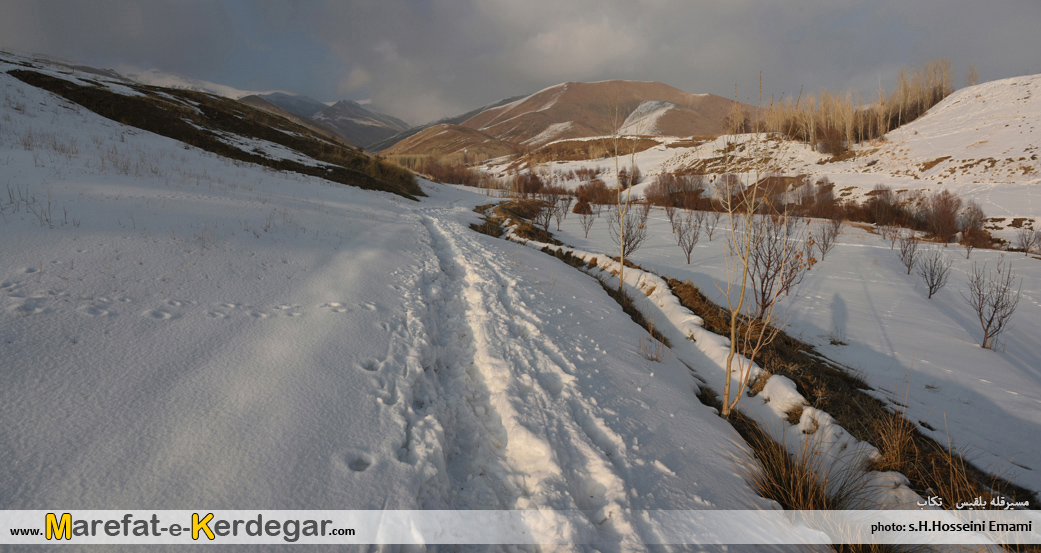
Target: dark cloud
(423, 59)
(185, 36)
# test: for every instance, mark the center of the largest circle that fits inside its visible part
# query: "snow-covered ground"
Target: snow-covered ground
(179, 329)
(916, 351)
(982, 142)
(182, 330)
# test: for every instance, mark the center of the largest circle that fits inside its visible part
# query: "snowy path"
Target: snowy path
(502, 416)
(209, 334)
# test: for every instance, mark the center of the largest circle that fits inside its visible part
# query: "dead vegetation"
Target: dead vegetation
(833, 389)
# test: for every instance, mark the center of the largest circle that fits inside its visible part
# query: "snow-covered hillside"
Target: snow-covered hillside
(198, 331)
(982, 143)
(183, 329)
(922, 356)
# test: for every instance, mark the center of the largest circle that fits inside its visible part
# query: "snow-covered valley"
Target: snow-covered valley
(182, 329)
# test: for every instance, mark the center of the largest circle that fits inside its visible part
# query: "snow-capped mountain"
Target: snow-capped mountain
(358, 124)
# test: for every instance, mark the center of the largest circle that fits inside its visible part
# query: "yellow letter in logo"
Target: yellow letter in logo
(56, 528)
(201, 525)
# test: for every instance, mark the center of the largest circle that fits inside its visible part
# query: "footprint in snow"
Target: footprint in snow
(94, 311)
(335, 307)
(159, 315)
(290, 310)
(355, 461)
(370, 365)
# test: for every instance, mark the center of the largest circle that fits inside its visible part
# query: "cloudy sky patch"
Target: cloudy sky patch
(426, 59)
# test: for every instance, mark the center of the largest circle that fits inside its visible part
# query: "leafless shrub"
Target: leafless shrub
(825, 235)
(565, 201)
(974, 238)
(587, 222)
(941, 214)
(711, 222)
(1028, 239)
(775, 259)
(909, 253)
(972, 217)
(670, 212)
(890, 233)
(994, 298)
(934, 269)
(882, 205)
(543, 214)
(630, 228)
(558, 208)
(688, 230)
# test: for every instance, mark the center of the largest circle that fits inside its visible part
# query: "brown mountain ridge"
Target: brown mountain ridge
(574, 110)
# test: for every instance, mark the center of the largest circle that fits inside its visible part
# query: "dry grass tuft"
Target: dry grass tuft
(894, 438)
(758, 384)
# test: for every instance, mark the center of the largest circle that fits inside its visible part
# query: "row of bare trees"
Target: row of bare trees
(832, 123)
(993, 297)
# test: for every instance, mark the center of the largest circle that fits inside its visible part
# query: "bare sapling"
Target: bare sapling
(826, 235)
(688, 230)
(1027, 239)
(934, 269)
(711, 222)
(741, 199)
(909, 252)
(776, 262)
(559, 209)
(565, 202)
(587, 222)
(622, 220)
(994, 298)
(890, 233)
(628, 231)
(543, 214)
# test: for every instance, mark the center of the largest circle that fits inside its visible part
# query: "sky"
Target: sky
(422, 60)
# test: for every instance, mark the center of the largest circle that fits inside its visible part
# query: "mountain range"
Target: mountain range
(573, 110)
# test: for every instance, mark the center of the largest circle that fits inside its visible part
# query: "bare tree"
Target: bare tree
(890, 233)
(826, 234)
(565, 200)
(883, 205)
(543, 214)
(711, 222)
(993, 298)
(972, 76)
(748, 335)
(934, 269)
(670, 212)
(775, 260)
(909, 253)
(688, 230)
(972, 217)
(629, 230)
(1027, 239)
(587, 222)
(700, 219)
(559, 208)
(941, 213)
(622, 221)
